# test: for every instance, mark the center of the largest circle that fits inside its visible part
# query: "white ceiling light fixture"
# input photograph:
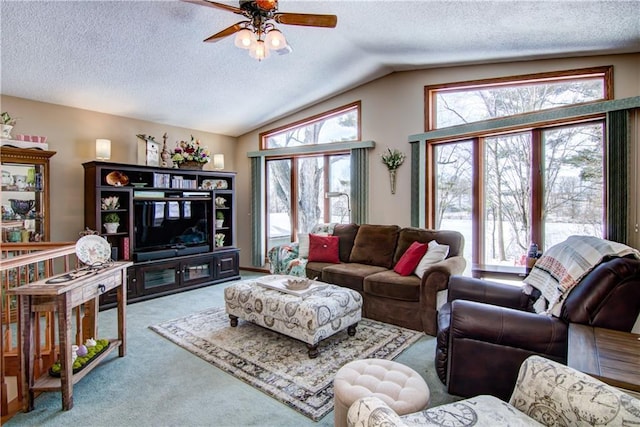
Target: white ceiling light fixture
(259, 50)
(275, 40)
(245, 38)
(259, 34)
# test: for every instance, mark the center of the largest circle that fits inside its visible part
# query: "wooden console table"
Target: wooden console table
(611, 356)
(61, 297)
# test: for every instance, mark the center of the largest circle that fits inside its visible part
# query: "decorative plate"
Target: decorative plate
(117, 179)
(92, 250)
(215, 184)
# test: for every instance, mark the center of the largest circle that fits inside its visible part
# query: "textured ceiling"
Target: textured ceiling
(146, 59)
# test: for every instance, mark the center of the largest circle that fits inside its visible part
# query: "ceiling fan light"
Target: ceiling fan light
(259, 50)
(275, 40)
(245, 38)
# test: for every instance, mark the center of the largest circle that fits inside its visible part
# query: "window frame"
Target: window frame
(324, 150)
(535, 128)
(314, 119)
(430, 91)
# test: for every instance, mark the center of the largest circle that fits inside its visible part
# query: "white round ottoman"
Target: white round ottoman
(399, 386)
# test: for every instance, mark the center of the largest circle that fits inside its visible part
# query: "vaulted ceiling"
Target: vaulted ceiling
(146, 59)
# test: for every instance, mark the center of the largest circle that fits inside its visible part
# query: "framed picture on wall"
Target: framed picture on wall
(148, 151)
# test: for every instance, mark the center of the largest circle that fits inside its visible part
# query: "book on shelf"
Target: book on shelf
(148, 194)
(196, 194)
(125, 248)
(161, 180)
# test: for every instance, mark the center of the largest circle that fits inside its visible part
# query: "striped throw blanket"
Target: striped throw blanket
(563, 265)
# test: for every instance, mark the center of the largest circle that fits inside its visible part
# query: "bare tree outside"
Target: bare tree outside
(572, 173)
(307, 172)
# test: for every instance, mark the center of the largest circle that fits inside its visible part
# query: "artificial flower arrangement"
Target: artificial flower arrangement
(190, 151)
(393, 159)
(111, 202)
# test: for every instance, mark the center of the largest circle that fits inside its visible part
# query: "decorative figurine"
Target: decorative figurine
(166, 154)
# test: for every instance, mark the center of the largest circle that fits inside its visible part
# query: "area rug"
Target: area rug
(278, 365)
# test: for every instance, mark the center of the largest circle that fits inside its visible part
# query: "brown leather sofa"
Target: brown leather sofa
(486, 329)
(368, 254)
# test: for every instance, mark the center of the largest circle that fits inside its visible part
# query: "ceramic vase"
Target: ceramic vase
(111, 227)
(5, 131)
(392, 181)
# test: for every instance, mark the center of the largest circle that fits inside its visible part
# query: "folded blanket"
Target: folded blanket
(563, 265)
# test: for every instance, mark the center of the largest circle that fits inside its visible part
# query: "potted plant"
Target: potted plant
(219, 240)
(6, 124)
(219, 219)
(111, 222)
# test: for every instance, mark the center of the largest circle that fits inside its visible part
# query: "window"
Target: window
(460, 103)
(531, 183)
(297, 183)
(342, 124)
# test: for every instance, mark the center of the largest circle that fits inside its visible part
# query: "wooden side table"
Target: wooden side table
(61, 297)
(611, 356)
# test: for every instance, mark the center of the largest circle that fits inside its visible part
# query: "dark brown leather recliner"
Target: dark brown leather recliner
(487, 329)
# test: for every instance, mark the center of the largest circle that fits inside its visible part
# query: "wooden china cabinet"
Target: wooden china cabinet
(25, 194)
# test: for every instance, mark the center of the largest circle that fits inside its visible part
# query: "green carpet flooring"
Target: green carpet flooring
(161, 384)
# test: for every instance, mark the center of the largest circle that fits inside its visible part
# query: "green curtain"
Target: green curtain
(618, 173)
(359, 185)
(257, 211)
(416, 197)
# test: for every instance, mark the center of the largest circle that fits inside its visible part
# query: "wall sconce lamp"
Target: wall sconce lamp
(331, 194)
(103, 149)
(218, 161)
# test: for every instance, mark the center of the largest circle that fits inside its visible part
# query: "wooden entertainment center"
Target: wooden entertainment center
(167, 225)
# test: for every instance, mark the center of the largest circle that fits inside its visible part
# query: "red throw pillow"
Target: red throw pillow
(410, 258)
(324, 248)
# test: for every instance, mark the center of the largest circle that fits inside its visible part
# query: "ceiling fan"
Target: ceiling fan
(258, 33)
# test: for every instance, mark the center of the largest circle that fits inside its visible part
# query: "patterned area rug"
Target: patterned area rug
(278, 365)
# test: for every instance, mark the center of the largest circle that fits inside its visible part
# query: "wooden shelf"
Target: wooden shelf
(49, 383)
(157, 268)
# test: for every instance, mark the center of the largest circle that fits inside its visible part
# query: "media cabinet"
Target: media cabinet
(167, 226)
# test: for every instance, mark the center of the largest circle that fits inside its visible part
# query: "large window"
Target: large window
(297, 184)
(526, 184)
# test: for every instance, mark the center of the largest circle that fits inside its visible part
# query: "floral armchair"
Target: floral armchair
(285, 259)
(546, 393)
(291, 258)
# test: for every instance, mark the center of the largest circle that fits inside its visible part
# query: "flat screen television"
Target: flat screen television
(164, 225)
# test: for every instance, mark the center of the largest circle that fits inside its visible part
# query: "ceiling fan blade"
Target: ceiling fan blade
(306, 19)
(226, 32)
(216, 5)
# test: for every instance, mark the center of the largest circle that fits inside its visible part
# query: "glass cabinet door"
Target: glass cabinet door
(197, 270)
(25, 200)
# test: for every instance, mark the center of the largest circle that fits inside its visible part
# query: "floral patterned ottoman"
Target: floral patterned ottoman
(309, 318)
